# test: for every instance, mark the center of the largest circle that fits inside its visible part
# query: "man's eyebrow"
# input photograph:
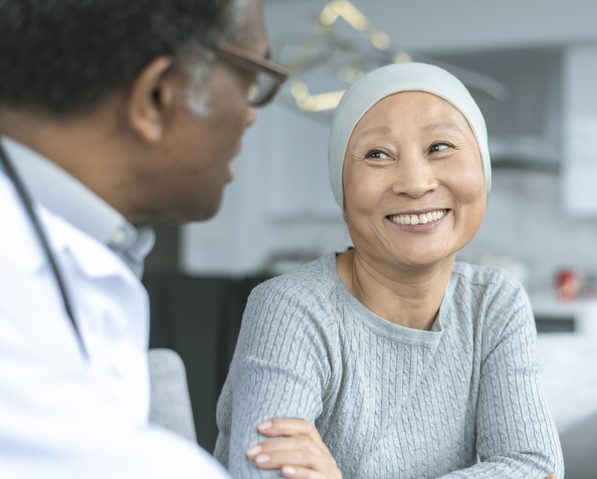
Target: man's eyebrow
(442, 126)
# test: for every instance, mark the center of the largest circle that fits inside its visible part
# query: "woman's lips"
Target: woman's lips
(419, 222)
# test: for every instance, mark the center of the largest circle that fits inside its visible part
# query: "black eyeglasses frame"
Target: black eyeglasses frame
(253, 61)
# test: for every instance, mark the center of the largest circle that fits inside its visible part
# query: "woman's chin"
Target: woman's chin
(424, 260)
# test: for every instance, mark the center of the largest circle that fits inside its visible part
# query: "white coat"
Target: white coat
(62, 416)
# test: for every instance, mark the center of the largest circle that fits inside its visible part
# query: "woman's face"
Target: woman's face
(414, 188)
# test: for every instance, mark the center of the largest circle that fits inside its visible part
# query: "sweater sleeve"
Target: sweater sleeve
(516, 436)
(279, 370)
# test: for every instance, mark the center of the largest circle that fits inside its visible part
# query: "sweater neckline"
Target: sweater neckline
(383, 326)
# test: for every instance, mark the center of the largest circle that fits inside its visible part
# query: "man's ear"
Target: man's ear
(151, 97)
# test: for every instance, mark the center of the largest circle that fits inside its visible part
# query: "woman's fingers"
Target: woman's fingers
(291, 443)
(297, 450)
(292, 472)
(290, 427)
(309, 459)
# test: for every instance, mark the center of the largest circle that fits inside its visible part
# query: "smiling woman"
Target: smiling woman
(413, 180)
(407, 363)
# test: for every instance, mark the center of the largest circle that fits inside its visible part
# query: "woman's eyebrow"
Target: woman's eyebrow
(442, 126)
(375, 129)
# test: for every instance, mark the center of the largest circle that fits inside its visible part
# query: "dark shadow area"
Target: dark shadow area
(164, 256)
(199, 318)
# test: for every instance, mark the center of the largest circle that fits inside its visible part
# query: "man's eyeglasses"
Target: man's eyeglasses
(270, 75)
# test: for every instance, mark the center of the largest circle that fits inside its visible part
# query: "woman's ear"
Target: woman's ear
(150, 98)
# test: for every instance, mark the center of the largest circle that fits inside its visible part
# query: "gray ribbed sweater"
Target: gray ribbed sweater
(463, 400)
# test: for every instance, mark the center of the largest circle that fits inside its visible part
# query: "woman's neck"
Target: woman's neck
(407, 296)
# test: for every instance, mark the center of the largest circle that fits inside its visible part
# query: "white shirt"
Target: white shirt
(62, 416)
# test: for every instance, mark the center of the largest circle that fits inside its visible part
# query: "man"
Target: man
(111, 113)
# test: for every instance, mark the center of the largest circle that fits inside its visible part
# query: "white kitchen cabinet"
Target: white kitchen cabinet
(581, 314)
(580, 131)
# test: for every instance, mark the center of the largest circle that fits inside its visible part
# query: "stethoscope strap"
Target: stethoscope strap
(27, 203)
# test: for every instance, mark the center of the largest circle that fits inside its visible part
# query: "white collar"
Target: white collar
(63, 195)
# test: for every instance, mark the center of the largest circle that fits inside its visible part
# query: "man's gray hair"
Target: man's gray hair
(198, 59)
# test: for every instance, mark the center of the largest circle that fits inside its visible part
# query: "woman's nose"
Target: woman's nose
(414, 177)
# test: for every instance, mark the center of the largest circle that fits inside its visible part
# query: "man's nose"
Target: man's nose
(251, 116)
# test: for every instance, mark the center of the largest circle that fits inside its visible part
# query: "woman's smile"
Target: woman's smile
(419, 222)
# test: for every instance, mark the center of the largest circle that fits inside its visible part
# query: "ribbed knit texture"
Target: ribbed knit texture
(462, 400)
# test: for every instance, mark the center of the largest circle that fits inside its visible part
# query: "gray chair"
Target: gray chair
(170, 401)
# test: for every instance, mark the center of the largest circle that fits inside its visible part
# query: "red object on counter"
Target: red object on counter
(567, 284)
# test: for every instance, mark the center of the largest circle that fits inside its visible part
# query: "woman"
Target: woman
(408, 363)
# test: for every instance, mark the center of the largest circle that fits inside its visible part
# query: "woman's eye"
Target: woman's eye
(438, 147)
(377, 155)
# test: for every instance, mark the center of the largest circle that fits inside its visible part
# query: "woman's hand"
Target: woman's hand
(298, 453)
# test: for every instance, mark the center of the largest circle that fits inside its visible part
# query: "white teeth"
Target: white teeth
(423, 218)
